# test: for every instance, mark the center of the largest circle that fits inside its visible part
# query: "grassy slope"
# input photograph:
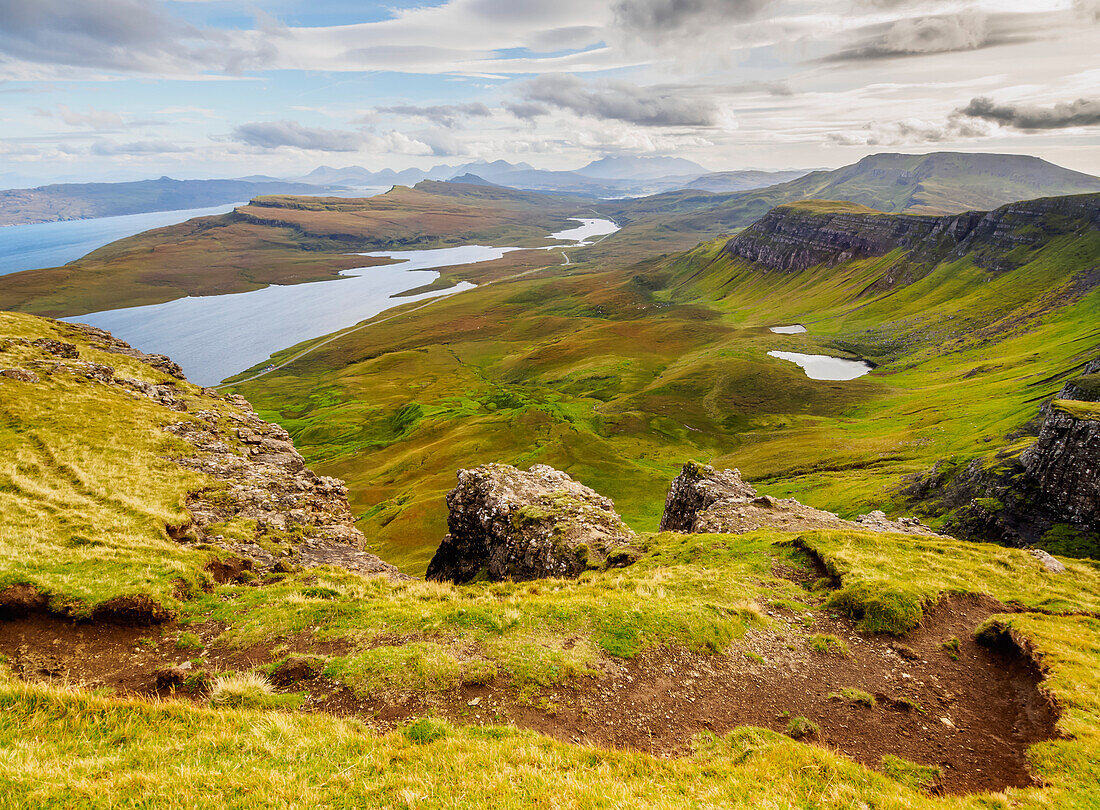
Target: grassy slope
(85, 501)
(85, 493)
(283, 240)
(618, 376)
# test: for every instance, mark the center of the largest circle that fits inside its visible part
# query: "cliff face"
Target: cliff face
(795, 237)
(1065, 464)
(791, 238)
(1048, 495)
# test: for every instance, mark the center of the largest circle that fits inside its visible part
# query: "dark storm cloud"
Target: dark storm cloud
(444, 115)
(274, 134)
(1083, 112)
(620, 101)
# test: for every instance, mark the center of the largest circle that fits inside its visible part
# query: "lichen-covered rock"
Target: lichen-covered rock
(1064, 463)
(302, 516)
(1050, 564)
(696, 489)
(509, 524)
(878, 522)
(705, 500)
(20, 374)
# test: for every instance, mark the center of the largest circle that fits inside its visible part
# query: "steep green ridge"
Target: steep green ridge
(619, 380)
(937, 183)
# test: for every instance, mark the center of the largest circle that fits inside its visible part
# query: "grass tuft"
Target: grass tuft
(248, 690)
(828, 644)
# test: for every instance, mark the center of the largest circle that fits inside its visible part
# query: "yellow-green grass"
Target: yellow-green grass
(86, 488)
(70, 748)
(66, 749)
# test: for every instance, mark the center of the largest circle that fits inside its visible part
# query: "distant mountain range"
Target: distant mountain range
(612, 176)
(690, 198)
(22, 206)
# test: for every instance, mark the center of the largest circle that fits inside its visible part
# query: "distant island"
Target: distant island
(24, 206)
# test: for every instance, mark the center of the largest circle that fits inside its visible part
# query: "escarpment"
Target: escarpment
(1064, 462)
(797, 236)
(253, 495)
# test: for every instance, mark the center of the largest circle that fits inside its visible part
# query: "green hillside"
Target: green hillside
(617, 380)
(134, 673)
(937, 183)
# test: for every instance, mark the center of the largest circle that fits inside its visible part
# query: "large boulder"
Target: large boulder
(509, 524)
(696, 489)
(705, 500)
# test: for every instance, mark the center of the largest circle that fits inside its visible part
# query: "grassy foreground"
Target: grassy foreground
(86, 505)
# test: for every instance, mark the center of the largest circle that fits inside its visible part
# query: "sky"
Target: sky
(127, 89)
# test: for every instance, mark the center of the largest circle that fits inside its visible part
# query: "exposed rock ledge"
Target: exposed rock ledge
(705, 500)
(282, 514)
(509, 524)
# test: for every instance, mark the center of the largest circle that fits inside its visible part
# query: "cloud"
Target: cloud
(96, 119)
(111, 149)
(911, 131)
(276, 134)
(657, 20)
(444, 115)
(918, 36)
(1083, 112)
(122, 35)
(271, 135)
(526, 110)
(953, 32)
(620, 101)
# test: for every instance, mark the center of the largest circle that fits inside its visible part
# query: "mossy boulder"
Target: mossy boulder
(509, 524)
(696, 489)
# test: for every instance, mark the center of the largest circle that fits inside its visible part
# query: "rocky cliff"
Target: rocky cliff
(798, 236)
(1048, 494)
(1064, 462)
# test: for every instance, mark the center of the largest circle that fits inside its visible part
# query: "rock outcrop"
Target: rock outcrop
(1047, 495)
(1085, 388)
(705, 500)
(268, 509)
(509, 524)
(300, 518)
(1064, 463)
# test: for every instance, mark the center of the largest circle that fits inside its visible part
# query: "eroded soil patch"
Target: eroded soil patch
(967, 709)
(940, 698)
